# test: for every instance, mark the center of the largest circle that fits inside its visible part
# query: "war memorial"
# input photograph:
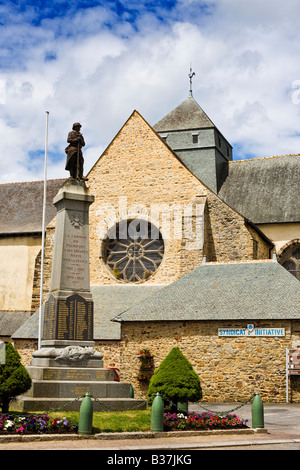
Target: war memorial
(67, 366)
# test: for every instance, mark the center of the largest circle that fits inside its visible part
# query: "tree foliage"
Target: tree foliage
(14, 378)
(175, 380)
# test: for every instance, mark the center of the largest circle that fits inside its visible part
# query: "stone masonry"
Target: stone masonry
(231, 369)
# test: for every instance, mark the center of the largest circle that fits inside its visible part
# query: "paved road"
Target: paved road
(282, 422)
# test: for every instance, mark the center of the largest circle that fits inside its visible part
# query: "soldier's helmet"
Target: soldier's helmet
(76, 124)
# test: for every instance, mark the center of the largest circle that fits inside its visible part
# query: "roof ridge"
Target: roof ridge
(33, 181)
(240, 261)
(264, 158)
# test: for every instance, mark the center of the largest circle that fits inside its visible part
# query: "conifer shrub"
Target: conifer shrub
(14, 377)
(175, 380)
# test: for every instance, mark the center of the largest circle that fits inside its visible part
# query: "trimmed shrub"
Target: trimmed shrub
(14, 378)
(175, 380)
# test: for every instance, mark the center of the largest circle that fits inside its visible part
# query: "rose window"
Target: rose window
(134, 250)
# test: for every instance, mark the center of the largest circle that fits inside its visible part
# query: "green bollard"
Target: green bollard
(131, 392)
(85, 425)
(157, 414)
(257, 412)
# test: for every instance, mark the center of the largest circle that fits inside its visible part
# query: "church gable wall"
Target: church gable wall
(138, 175)
(138, 172)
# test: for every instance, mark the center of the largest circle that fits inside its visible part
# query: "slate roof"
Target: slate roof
(257, 290)
(188, 115)
(112, 300)
(264, 190)
(230, 291)
(10, 321)
(108, 302)
(21, 206)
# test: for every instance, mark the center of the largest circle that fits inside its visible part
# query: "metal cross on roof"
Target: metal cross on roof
(191, 74)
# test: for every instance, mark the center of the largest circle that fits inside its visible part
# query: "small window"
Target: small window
(255, 249)
(195, 138)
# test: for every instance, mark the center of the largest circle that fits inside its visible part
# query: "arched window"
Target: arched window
(290, 259)
(133, 250)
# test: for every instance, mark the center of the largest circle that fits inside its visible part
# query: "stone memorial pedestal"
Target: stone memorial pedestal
(67, 365)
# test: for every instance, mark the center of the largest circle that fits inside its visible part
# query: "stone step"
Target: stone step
(77, 374)
(69, 404)
(67, 388)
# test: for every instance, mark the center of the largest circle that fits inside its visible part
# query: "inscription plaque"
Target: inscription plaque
(68, 319)
(50, 318)
(75, 261)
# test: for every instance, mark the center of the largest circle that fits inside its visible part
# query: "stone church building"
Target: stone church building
(188, 248)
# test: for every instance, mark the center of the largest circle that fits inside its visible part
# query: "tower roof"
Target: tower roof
(188, 115)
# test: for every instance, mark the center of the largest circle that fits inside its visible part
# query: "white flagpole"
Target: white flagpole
(43, 231)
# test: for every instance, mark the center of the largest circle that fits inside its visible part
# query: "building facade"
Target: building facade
(184, 243)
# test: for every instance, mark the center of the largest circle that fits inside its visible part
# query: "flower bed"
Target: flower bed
(35, 424)
(200, 421)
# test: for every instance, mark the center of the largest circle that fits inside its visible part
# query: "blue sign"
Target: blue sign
(251, 331)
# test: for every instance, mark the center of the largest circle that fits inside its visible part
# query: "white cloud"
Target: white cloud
(96, 67)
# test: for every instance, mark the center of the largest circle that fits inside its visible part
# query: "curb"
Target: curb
(127, 435)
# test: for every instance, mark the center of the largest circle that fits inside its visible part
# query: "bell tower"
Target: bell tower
(197, 141)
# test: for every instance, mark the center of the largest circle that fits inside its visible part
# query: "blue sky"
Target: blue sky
(97, 61)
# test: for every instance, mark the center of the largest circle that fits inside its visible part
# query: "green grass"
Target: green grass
(117, 421)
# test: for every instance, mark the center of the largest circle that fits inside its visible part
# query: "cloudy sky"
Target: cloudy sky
(95, 61)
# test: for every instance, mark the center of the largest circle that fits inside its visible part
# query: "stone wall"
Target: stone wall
(25, 348)
(231, 369)
(111, 351)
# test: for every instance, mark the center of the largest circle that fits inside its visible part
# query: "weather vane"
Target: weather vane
(191, 74)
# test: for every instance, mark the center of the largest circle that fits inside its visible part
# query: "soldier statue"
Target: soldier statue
(75, 160)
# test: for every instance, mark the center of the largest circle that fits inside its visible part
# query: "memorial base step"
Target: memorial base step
(44, 405)
(69, 389)
(56, 387)
(77, 374)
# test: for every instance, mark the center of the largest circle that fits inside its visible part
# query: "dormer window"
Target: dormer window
(195, 138)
